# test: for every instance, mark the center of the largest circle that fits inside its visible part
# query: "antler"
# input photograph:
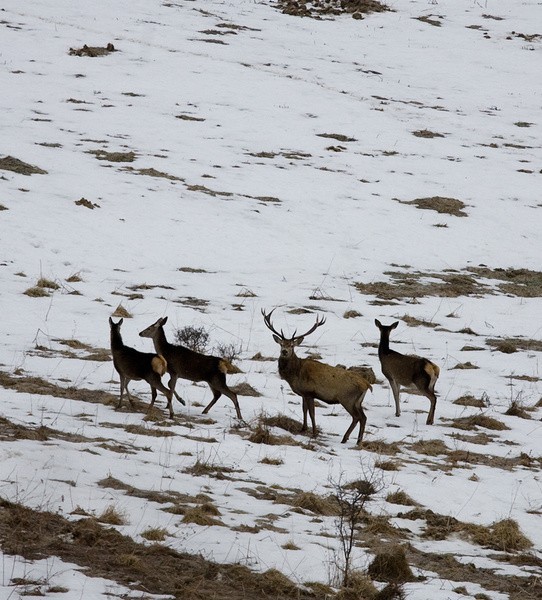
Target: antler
(319, 321)
(267, 321)
(268, 324)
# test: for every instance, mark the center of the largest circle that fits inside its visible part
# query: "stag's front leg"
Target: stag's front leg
(305, 409)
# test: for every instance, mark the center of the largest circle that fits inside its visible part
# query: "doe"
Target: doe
(187, 364)
(407, 371)
(134, 365)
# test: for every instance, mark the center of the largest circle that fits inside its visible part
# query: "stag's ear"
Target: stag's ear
(299, 340)
(277, 339)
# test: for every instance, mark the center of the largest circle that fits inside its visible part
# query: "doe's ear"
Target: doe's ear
(394, 325)
(110, 321)
(378, 323)
(163, 321)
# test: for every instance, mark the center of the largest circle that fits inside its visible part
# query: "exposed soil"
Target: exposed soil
(10, 163)
(154, 569)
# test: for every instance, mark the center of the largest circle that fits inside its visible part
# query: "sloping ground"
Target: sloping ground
(207, 160)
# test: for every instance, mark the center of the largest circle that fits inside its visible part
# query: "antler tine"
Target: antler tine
(268, 324)
(319, 321)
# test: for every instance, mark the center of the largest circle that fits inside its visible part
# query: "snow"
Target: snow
(273, 87)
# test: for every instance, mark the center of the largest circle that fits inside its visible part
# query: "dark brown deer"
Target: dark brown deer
(187, 364)
(134, 365)
(407, 371)
(312, 380)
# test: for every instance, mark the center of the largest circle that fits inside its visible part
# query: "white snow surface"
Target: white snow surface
(277, 216)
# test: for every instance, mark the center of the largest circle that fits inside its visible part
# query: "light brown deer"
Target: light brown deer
(134, 365)
(312, 380)
(407, 371)
(187, 364)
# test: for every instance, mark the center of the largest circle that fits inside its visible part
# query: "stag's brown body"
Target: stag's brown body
(314, 380)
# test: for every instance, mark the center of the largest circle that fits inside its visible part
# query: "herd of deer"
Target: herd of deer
(308, 378)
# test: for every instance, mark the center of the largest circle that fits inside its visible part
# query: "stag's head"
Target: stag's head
(288, 345)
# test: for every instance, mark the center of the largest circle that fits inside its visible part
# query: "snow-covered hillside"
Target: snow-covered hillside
(225, 158)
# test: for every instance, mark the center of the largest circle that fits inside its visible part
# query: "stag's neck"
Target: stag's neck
(289, 367)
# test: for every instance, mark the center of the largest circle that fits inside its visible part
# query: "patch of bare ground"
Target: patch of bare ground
(151, 172)
(36, 385)
(10, 163)
(113, 156)
(469, 400)
(426, 133)
(92, 51)
(511, 345)
(332, 8)
(523, 283)
(154, 569)
(440, 204)
(10, 432)
(416, 284)
(451, 569)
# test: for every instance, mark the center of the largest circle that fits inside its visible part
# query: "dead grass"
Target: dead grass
(155, 534)
(92, 51)
(401, 497)
(440, 204)
(475, 421)
(113, 516)
(283, 422)
(204, 515)
(150, 569)
(380, 446)
(319, 505)
(523, 283)
(430, 447)
(391, 565)
(469, 400)
(267, 460)
(121, 312)
(10, 163)
(511, 345)
(244, 389)
(504, 535)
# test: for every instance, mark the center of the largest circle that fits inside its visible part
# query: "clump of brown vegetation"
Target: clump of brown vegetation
(469, 400)
(471, 423)
(511, 345)
(314, 503)
(400, 497)
(113, 516)
(317, 10)
(10, 163)
(391, 565)
(203, 514)
(155, 534)
(440, 204)
(121, 312)
(92, 51)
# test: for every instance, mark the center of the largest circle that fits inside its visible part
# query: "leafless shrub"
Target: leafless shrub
(195, 338)
(351, 498)
(229, 351)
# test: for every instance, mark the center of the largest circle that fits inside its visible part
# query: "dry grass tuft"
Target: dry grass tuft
(471, 423)
(504, 535)
(267, 460)
(430, 447)
(36, 292)
(121, 312)
(381, 447)
(319, 505)
(440, 204)
(360, 587)
(469, 400)
(391, 565)
(283, 422)
(402, 498)
(204, 514)
(113, 516)
(155, 534)
(245, 389)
